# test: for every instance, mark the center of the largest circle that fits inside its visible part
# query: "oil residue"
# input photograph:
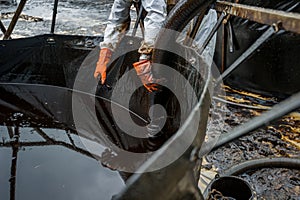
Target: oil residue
(278, 139)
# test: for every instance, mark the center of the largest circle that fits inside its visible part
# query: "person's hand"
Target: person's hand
(143, 70)
(101, 67)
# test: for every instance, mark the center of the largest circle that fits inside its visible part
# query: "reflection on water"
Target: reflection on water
(46, 164)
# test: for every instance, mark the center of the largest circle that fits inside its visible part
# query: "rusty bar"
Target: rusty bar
(197, 25)
(14, 20)
(288, 21)
(192, 34)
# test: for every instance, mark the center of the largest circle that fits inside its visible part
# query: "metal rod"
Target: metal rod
(71, 139)
(2, 27)
(139, 11)
(279, 110)
(224, 45)
(241, 105)
(13, 167)
(188, 33)
(230, 37)
(197, 25)
(14, 20)
(288, 21)
(191, 36)
(44, 135)
(213, 31)
(54, 16)
(10, 132)
(266, 35)
(13, 173)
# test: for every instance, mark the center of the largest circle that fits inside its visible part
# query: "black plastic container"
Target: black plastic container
(230, 186)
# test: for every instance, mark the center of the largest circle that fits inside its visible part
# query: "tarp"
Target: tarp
(45, 80)
(273, 69)
(37, 75)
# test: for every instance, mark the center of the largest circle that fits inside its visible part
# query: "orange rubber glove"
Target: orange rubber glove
(101, 67)
(143, 70)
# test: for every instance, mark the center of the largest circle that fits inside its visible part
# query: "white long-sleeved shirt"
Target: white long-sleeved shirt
(119, 20)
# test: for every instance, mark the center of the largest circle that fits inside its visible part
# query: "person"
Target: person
(118, 24)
